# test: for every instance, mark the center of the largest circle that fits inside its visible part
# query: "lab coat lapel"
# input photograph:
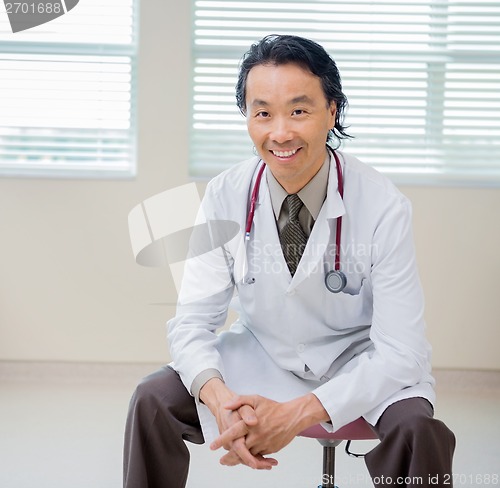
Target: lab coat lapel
(266, 235)
(319, 239)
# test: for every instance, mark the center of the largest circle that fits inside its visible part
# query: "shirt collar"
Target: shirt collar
(312, 195)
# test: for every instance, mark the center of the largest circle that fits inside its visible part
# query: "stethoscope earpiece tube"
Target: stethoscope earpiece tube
(253, 202)
(336, 280)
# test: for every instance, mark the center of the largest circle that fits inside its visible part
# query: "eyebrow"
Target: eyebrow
(293, 101)
(301, 99)
(258, 102)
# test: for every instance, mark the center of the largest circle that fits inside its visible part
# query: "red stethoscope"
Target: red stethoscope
(335, 280)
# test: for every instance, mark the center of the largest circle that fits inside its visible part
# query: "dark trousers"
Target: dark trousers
(414, 450)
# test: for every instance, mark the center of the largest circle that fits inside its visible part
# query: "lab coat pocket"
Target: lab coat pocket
(348, 309)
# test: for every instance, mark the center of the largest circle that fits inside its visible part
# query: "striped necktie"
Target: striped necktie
(292, 236)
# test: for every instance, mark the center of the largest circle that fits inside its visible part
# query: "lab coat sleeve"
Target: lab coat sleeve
(204, 297)
(400, 357)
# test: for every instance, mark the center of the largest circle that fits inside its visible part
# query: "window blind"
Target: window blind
(422, 78)
(67, 93)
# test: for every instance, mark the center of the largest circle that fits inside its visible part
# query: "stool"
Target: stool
(357, 430)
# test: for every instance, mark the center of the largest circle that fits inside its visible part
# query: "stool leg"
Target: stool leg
(328, 475)
(328, 479)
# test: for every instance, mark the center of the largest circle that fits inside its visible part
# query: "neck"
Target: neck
(294, 185)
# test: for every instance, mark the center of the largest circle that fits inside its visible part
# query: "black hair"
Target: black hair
(283, 49)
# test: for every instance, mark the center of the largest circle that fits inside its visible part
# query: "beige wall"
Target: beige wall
(69, 287)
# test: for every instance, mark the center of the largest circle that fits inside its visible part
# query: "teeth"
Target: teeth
(284, 154)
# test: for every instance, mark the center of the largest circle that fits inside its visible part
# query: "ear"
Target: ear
(333, 112)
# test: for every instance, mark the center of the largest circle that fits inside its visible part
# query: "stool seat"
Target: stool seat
(359, 429)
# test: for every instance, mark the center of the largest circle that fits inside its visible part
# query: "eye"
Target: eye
(298, 111)
(262, 114)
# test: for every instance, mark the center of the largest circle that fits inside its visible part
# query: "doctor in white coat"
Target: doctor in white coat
(298, 355)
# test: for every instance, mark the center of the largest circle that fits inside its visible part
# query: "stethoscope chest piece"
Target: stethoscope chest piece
(335, 281)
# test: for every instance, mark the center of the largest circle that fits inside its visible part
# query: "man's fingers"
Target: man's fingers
(232, 459)
(266, 461)
(241, 450)
(247, 413)
(246, 457)
(240, 400)
(237, 430)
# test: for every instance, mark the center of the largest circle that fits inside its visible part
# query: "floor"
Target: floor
(61, 426)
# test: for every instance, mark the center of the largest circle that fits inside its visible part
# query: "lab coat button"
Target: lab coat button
(301, 348)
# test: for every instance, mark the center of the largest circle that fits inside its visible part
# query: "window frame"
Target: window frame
(442, 173)
(69, 170)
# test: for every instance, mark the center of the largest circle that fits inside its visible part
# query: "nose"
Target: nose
(281, 130)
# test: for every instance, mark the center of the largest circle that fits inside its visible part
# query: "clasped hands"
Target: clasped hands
(252, 427)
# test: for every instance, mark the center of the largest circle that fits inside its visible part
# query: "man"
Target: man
(299, 354)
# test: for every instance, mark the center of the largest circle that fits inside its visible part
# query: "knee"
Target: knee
(412, 422)
(142, 399)
(422, 429)
(150, 390)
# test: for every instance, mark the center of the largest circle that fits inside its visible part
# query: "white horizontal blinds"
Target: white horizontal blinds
(421, 78)
(67, 93)
(471, 125)
(218, 136)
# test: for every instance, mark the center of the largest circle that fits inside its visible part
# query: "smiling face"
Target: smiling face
(288, 119)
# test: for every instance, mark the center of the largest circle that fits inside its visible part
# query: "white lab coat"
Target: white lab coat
(358, 351)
